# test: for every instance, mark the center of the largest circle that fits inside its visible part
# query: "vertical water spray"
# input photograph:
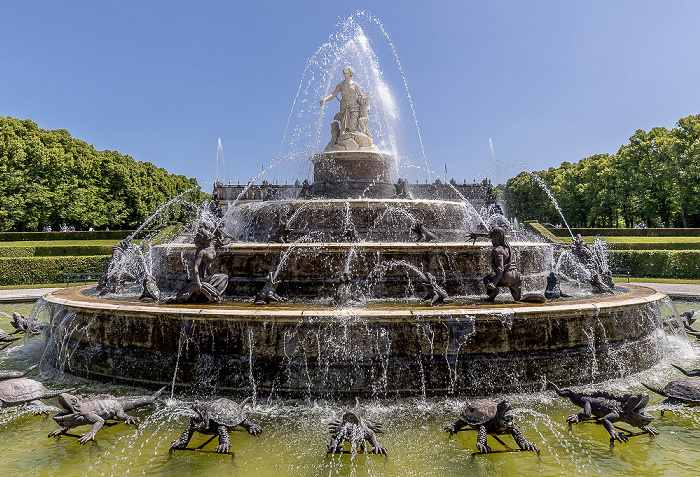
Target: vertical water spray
(544, 187)
(220, 158)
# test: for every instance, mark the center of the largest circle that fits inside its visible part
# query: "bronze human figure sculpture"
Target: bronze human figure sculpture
(601, 279)
(204, 286)
(115, 275)
(503, 264)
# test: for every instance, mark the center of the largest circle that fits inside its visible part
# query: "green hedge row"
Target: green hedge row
(601, 232)
(41, 251)
(658, 263)
(34, 270)
(37, 236)
(655, 246)
(540, 229)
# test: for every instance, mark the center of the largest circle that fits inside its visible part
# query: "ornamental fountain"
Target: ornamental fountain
(337, 275)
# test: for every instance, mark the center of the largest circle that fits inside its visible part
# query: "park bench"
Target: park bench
(83, 277)
(621, 272)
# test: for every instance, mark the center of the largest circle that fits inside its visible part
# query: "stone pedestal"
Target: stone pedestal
(352, 174)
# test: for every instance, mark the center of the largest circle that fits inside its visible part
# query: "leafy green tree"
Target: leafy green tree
(50, 178)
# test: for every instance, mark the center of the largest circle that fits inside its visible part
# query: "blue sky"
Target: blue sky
(543, 81)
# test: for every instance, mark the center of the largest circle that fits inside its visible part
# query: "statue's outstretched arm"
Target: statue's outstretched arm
(332, 95)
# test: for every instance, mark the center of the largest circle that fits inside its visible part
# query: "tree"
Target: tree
(50, 178)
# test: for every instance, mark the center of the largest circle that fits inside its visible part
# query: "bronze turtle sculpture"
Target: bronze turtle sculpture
(216, 417)
(489, 417)
(16, 391)
(683, 390)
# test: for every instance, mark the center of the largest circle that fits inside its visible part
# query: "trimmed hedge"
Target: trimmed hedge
(541, 229)
(38, 236)
(41, 251)
(658, 263)
(654, 245)
(34, 270)
(605, 232)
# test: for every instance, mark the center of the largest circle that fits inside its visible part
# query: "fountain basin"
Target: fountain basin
(406, 350)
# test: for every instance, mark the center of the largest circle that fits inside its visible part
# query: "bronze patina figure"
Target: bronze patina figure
(30, 325)
(401, 188)
(435, 293)
(268, 293)
(681, 391)
(355, 429)
(553, 290)
(115, 275)
(93, 411)
(503, 265)
(343, 294)
(16, 374)
(6, 338)
(204, 286)
(610, 409)
(216, 417)
(488, 417)
(423, 234)
(600, 277)
(280, 234)
(150, 289)
(16, 391)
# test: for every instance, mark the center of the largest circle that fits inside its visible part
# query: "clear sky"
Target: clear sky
(161, 81)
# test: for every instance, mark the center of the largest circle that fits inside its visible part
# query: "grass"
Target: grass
(44, 285)
(683, 281)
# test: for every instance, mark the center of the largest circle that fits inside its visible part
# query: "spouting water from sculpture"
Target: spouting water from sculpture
(323, 294)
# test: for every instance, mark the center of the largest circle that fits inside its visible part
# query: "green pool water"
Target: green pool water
(295, 433)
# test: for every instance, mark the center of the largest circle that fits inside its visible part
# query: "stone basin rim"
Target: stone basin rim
(634, 295)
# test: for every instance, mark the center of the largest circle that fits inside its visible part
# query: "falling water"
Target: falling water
(544, 187)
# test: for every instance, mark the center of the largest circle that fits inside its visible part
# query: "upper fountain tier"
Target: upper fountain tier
(351, 166)
(352, 174)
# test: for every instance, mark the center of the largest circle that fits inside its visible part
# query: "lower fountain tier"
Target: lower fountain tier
(479, 350)
(378, 270)
(386, 220)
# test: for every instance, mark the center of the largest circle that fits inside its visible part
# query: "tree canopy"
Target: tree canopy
(48, 178)
(655, 179)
